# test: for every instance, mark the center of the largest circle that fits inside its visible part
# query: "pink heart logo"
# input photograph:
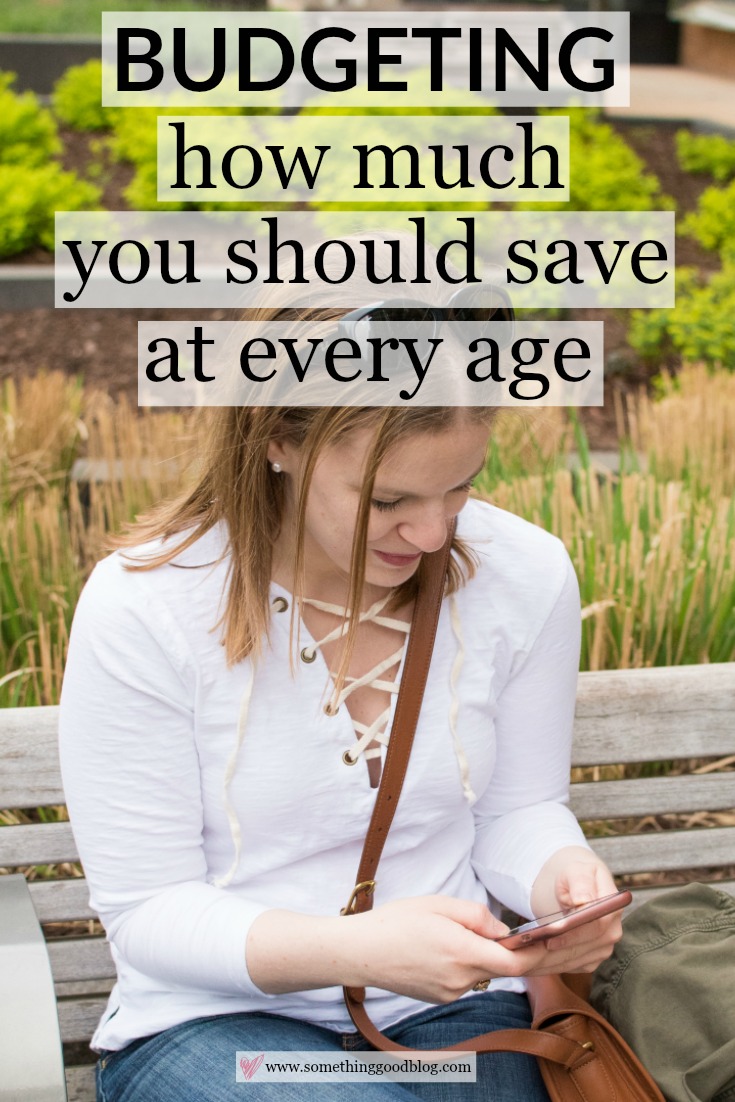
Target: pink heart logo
(249, 1067)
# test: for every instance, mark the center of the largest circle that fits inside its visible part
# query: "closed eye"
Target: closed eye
(388, 506)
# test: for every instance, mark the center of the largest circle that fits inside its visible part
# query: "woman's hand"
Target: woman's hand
(575, 875)
(433, 948)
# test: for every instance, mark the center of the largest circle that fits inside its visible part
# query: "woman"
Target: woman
(223, 726)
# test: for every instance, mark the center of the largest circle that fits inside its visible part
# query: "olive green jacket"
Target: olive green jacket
(669, 989)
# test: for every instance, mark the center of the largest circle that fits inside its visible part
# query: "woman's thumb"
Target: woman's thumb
(482, 921)
(579, 886)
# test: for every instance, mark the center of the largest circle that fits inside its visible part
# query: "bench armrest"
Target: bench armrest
(30, 1043)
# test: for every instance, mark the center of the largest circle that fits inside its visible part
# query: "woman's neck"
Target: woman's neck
(331, 588)
(322, 579)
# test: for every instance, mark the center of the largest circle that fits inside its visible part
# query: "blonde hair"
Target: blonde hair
(238, 487)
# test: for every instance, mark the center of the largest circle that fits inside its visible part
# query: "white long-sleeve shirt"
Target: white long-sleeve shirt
(187, 837)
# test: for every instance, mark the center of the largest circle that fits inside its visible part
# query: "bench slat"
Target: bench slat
(622, 716)
(30, 756)
(78, 1018)
(655, 715)
(61, 900)
(37, 844)
(75, 989)
(670, 849)
(653, 796)
(85, 958)
(80, 1083)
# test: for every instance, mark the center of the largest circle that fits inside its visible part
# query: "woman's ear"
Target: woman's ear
(282, 453)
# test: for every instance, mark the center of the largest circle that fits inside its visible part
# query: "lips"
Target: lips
(398, 560)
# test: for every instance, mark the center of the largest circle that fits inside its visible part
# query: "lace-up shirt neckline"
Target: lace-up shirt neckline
(383, 651)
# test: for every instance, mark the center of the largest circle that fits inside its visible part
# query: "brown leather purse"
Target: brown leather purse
(581, 1057)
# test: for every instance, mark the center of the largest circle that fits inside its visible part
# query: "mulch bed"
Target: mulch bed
(100, 345)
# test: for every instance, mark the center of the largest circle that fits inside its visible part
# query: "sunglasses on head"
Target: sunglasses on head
(485, 311)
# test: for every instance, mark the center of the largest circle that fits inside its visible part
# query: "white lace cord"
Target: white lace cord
(367, 734)
(232, 819)
(372, 613)
(376, 729)
(375, 732)
(464, 769)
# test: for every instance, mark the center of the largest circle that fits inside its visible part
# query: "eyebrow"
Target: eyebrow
(385, 491)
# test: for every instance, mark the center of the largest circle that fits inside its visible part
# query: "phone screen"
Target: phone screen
(568, 919)
(556, 916)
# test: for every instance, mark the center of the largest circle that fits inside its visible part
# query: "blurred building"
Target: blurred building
(707, 41)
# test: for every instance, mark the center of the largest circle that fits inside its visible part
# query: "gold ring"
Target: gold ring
(482, 985)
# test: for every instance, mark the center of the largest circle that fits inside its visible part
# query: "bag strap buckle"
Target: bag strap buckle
(367, 886)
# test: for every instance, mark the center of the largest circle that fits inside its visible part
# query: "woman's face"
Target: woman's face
(421, 484)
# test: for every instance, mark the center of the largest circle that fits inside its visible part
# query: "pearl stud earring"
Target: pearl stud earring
(276, 467)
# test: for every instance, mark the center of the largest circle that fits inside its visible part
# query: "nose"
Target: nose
(427, 531)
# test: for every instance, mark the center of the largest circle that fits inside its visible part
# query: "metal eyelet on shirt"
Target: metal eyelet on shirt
(308, 655)
(280, 604)
(348, 759)
(330, 710)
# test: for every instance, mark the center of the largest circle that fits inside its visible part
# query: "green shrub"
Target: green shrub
(134, 135)
(27, 130)
(701, 328)
(77, 98)
(340, 176)
(352, 102)
(134, 141)
(32, 185)
(142, 191)
(605, 173)
(706, 153)
(713, 224)
(29, 196)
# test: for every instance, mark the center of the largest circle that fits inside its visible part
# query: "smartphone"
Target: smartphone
(553, 925)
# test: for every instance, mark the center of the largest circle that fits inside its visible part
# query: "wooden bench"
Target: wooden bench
(672, 715)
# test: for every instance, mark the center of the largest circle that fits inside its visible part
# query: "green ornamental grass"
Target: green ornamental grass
(654, 547)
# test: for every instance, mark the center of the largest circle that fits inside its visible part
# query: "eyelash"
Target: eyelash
(388, 506)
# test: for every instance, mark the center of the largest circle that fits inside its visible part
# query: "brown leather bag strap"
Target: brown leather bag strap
(411, 693)
(408, 706)
(546, 1046)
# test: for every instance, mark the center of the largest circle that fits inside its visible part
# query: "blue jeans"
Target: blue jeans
(195, 1061)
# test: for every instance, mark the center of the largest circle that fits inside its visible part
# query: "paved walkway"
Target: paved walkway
(671, 92)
